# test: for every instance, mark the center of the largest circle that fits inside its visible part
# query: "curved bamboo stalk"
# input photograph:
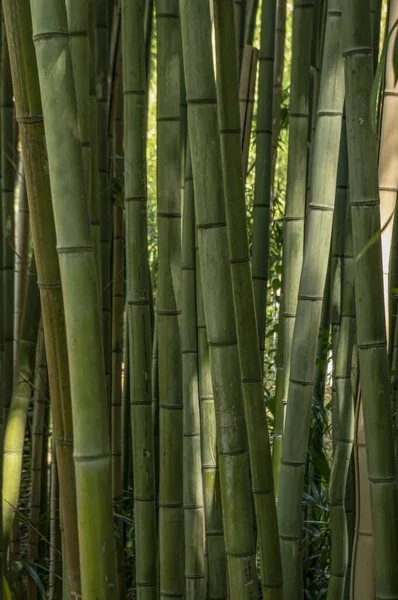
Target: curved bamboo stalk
(23, 386)
(263, 183)
(171, 531)
(8, 173)
(249, 355)
(138, 291)
(374, 372)
(344, 412)
(77, 265)
(21, 254)
(388, 160)
(309, 307)
(195, 571)
(29, 115)
(217, 296)
(293, 234)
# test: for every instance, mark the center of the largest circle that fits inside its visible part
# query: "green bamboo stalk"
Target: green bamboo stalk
(195, 566)
(138, 290)
(8, 173)
(310, 299)
(102, 63)
(232, 452)
(375, 18)
(3, 551)
(280, 34)
(39, 410)
(263, 183)
(29, 115)
(250, 21)
(293, 234)
(373, 362)
(171, 517)
(23, 385)
(214, 529)
(55, 580)
(94, 198)
(116, 391)
(344, 413)
(21, 254)
(249, 355)
(83, 330)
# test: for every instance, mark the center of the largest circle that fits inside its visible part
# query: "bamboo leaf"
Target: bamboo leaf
(7, 591)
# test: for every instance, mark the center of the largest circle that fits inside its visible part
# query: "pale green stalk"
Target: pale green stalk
(21, 254)
(82, 318)
(310, 299)
(232, 452)
(195, 565)
(371, 334)
(293, 233)
(29, 115)
(23, 386)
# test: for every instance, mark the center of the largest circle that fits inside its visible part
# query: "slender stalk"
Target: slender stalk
(195, 581)
(310, 299)
(280, 34)
(249, 355)
(344, 412)
(233, 457)
(8, 173)
(23, 385)
(247, 87)
(39, 411)
(21, 254)
(263, 184)
(55, 582)
(250, 21)
(138, 290)
(29, 115)
(373, 361)
(82, 319)
(171, 517)
(293, 233)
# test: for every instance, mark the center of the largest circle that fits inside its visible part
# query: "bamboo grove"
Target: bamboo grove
(198, 299)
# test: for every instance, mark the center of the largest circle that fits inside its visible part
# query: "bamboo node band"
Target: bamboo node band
(49, 35)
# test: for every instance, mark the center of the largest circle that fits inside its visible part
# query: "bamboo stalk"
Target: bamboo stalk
(217, 295)
(55, 581)
(21, 254)
(78, 265)
(263, 183)
(138, 290)
(310, 299)
(374, 372)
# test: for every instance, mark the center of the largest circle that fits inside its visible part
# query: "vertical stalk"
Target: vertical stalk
(7, 198)
(373, 361)
(195, 582)
(280, 34)
(233, 457)
(263, 184)
(21, 254)
(310, 299)
(29, 115)
(171, 531)
(249, 354)
(293, 233)
(55, 580)
(82, 319)
(138, 291)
